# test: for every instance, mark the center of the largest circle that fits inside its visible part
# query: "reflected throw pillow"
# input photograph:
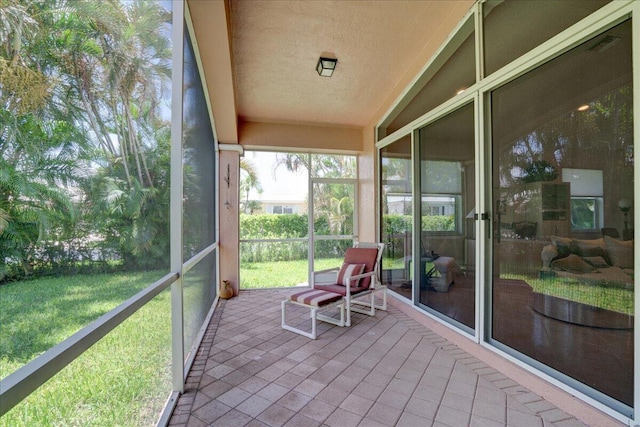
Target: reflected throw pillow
(596, 261)
(565, 245)
(572, 264)
(620, 252)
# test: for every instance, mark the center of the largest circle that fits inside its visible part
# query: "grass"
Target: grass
(280, 274)
(123, 380)
(285, 274)
(292, 273)
(598, 295)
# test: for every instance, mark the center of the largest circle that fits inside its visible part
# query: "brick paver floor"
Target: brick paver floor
(387, 370)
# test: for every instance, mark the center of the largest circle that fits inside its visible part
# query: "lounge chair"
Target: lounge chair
(358, 277)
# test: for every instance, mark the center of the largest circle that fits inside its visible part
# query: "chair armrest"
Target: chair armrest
(362, 276)
(325, 277)
(549, 252)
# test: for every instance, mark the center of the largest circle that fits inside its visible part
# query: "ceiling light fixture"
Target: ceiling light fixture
(326, 66)
(584, 107)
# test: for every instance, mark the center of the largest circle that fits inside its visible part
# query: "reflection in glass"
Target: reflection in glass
(512, 28)
(563, 264)
(451, 73)
(447, 241)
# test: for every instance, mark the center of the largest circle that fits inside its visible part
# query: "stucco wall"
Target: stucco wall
(293, 136)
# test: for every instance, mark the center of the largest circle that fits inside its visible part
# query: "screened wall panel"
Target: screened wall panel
(199, 206)
(199, 157)
(199, 292)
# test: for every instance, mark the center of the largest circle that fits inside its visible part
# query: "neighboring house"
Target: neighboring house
(284, 206)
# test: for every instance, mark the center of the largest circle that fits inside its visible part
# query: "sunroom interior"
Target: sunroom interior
(495, 136)
(524, 163)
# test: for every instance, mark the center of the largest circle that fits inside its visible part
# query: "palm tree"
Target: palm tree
(81, 88)
(249, 180)
(34, 162)
(325, 166)
(341, 210)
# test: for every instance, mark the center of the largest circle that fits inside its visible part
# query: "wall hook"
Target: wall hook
(227, 178)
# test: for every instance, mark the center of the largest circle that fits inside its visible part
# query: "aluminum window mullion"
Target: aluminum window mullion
(194, 260)
(483, 176)
(415, 211)
(175, 218)
(635, 57)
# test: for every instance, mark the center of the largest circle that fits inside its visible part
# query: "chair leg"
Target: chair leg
(371, 304)
(347, 307)
(329, 319)
(313, 312)
(315, 316)
(384, 299)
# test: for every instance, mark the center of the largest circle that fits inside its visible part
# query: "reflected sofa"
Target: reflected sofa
(606, 261)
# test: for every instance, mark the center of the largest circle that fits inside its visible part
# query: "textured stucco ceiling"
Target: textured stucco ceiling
(276, 45)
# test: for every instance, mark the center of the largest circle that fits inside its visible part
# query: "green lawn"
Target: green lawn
(123, 380)
(285, 274)
(280, 274)
(598, 295)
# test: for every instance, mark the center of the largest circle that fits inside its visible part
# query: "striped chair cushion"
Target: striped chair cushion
(339, 289)
(347, 271)
(314, 297)
(366, 256)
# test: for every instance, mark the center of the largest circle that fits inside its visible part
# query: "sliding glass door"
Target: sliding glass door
(397, 224)
(563, 200)
(446, 216)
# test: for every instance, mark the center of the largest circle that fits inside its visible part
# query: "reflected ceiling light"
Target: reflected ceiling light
(459, 91)
(326, 66)
(624, 205)
(605, 43)
(584, 107)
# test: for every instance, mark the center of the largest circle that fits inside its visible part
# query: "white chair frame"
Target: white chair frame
(345, 304)
(375, 286)
(315, 315)
(352, 301)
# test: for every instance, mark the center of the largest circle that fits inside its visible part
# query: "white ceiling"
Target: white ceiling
(276, 45)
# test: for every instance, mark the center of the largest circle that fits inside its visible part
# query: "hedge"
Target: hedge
(291, 226)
